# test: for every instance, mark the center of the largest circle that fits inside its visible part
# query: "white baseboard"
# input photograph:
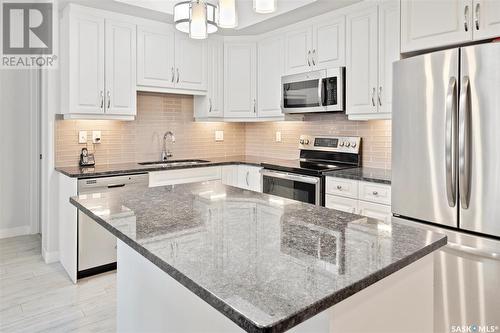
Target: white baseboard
(16, 231)
(50, 257)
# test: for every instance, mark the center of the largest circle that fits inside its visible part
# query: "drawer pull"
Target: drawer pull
(375, 193)
(339, 187)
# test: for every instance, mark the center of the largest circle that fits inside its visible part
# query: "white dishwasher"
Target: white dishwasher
(96, 245)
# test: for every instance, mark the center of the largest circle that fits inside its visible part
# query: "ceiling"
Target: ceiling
(249, 22)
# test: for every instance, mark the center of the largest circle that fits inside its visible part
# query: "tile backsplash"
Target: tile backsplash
(141, 140)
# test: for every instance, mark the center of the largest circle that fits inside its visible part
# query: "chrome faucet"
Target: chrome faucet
(166, 154)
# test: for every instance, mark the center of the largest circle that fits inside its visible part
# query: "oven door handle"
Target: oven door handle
(289, 176)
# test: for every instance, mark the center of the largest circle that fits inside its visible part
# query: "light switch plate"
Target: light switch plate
(96, 136)
(278, 136)
(219, 135)
(82, 137)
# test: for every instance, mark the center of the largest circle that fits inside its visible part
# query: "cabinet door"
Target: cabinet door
(376, 211)
(340, 203)
(362, 61)
(329, 43)
(428, 24)
(229, 175)
(389, 38)
(86, 64)
(486, 19)
(120, 68)
(240, 74)
(215, 78)
(249, 178)
(190, 62)
(298, 50)
(155, 56)
(271, 68)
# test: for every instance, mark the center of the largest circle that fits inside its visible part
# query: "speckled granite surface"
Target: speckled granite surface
(381, 176)
(265, 262)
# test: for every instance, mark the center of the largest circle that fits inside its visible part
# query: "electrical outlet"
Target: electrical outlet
(82, 137)
(96, 136)
(219, 135)
(278, 136)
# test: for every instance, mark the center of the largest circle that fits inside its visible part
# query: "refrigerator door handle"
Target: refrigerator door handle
(450, 142)
(464, 144)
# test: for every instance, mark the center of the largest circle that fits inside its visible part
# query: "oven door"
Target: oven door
(303, 92)
(292, 186)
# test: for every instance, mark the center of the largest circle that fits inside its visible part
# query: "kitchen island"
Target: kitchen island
(205, 257)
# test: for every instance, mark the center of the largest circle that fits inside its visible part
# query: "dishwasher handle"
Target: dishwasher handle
(115, 185)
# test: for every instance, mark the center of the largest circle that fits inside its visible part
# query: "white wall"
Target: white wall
(19, 152)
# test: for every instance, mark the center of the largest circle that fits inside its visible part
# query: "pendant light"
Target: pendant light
(198, 21)
(196, 18)
(227, 14)
(264, 6)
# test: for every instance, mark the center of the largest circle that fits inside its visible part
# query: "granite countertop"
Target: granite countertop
(100, 170)
(374, 175)
(266, 263)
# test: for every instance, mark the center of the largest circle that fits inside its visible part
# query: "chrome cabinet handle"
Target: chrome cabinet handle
(464, 137)
(178, 75)
(173, 75)
(254, 105)
(450, 142)
(313, 54)
(379, 97)
(246, 178)
(466, 18)
(102, 99)
(309, 58)
(373, 96)
(477, 13)
(109, 99)
(210, 102)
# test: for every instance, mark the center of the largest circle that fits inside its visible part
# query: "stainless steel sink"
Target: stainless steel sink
(174, 163)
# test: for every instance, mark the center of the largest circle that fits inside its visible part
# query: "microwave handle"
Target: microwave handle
(320, 93)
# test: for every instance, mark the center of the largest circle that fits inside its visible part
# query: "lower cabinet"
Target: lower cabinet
(358, 197)
(247, 177)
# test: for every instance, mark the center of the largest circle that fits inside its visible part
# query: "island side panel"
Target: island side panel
(68, 225)
(149, 300)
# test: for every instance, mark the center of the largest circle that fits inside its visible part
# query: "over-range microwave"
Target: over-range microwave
(315, 91)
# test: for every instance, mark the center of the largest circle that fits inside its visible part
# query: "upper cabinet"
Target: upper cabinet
(98, 65)
(168, 60)
(271, 67)
(211, 105)
(319, 46)
(427, 24)
(372, 47)
(240, 80)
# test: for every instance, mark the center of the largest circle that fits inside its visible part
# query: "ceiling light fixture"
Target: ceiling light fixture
(227, 14)
(197, 18)
(264, 6)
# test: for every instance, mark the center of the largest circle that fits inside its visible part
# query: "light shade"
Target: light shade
(227, 14)
(212, 18)
(264, 6)
(198, 21)
(182, 15)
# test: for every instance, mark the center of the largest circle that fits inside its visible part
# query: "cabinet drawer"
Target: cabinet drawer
(343, 187)
(182, 176)
(376, 211)
(341, 203)
(377, 193)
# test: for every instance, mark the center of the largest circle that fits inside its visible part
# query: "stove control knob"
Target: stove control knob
(301, 141)
(347, 144)
(306, 141)
(353, 145)
(341, 144)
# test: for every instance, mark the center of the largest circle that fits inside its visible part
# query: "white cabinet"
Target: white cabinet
(190, 62)
(169, 61)
(427, 24)
(319, 46)
(240, 80)
(359, 197)
(229, 175)
(372, 47)
(98, 64)
(271, 67)
(155, 55)
(211, 105)
(249, 177)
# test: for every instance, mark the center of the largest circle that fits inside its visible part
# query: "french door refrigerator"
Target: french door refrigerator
(446, 138)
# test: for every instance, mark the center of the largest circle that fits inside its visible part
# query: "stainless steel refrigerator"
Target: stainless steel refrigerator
(446, 138)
